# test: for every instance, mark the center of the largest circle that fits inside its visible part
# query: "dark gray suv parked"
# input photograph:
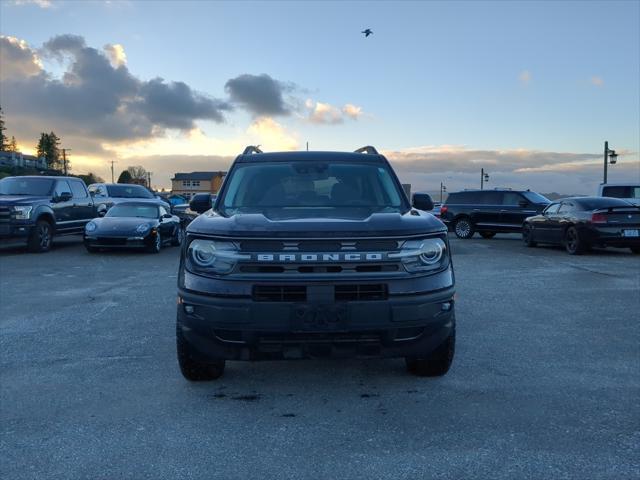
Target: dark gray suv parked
(490, 211)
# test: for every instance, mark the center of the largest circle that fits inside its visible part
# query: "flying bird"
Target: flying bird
(367, 32)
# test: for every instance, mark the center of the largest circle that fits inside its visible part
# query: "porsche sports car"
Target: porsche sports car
(583, 222)
(134, 225)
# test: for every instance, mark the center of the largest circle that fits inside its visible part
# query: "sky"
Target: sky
(529, 91)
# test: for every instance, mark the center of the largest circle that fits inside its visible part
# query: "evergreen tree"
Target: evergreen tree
(125, 177)
(13, 145)
(49, 147)
(3, 139)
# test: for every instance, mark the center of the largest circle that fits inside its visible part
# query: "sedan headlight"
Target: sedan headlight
(213, 257)
(22, 212)
(90, 227)
(143, 228)
(425, 255)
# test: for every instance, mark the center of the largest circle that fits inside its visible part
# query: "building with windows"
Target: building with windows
(188, 184)
(17, 159)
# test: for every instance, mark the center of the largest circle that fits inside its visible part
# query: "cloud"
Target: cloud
(39, 3)
(116, 54)
(525, 77)
(97, 100)
(321, 113)
(597, 81)
(17, 59)
(261, 95)
(271, 135)
(352, 111)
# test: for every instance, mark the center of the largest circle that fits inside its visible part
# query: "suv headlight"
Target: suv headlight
(425, 255)
(22, 212)
(213, 257)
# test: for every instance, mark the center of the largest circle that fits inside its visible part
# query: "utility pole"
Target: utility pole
(64, 159)
(307, 146)
(112, 162)
(149, 180)
(443, 188)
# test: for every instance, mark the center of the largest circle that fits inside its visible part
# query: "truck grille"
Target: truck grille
(346, 293)
(318, 245)
(5, 215)
(279, 293)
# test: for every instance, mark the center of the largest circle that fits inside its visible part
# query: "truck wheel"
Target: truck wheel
(191, 369)
(487, 234)
(463, 228)
(156, 246)
(527, 235)
(436, 363)
(573, 243)
(41, 237)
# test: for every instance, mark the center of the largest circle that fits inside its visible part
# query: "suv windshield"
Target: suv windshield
(143, 211)
(129, 191)
(311, 188)
(534, 197)
(26, 186)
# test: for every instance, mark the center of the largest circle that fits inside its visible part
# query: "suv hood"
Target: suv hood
(10, 200)
(413, 222)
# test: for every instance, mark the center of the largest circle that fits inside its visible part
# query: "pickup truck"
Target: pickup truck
(34, 209)
(626, 191)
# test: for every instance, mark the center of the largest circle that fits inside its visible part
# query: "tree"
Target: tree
(138, 174)
(49, 147)
(13, 145)
(90, 178)
(125, 177)
(3, 138)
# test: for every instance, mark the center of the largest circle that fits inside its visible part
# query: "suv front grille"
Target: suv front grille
(342, 293)
(318, 245)
(5, 215)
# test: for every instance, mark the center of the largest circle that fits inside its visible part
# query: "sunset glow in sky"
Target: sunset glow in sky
(527, 90)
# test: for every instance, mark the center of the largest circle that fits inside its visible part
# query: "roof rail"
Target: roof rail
(368, 149)
(252, 149)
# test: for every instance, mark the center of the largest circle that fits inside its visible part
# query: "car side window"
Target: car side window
(551, 209)
(98, 191)
(566, 207)
(491, 198)
(511, 198)
(62, 186)
(163, 211)
(78, 190)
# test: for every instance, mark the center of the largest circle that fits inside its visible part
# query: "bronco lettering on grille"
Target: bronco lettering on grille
(320, 257)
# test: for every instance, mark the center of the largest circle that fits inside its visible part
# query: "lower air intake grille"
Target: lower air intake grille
(279, 293)
(345, 293)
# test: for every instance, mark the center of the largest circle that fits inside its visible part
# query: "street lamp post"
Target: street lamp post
(484, 177)
(443, 188)
(610, 157)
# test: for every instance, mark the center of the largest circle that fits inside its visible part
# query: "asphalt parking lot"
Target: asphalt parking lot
(545, 383)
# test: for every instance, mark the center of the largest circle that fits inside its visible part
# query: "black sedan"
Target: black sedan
(134, 225)
(584, 222)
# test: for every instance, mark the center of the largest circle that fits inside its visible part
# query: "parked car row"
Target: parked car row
(577, 223)
(34, 209)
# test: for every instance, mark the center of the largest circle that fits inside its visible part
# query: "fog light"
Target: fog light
(446, 306)
(188, 308)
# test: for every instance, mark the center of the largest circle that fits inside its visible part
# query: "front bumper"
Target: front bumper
(14, 233)
(103, 241)
(241, 328)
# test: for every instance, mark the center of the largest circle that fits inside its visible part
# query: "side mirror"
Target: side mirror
(167, 215)
(422, 201)
(64, 197)
(200, 205)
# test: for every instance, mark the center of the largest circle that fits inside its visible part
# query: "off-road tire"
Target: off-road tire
(191, 369)
(437, 362)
